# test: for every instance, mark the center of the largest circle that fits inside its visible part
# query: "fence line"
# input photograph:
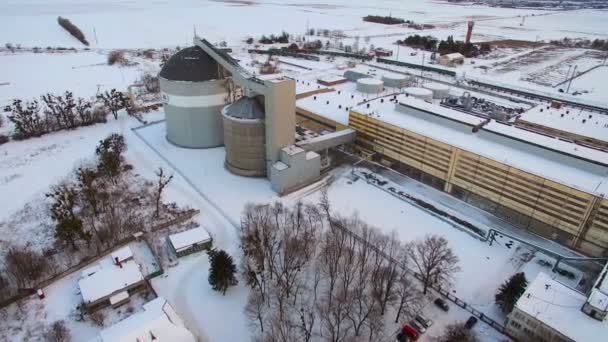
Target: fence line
(461, 303)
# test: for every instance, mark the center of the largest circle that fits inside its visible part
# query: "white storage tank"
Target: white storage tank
(440, 91)
(194, 92)
(419, 93)
(394, 80)
(369, 85)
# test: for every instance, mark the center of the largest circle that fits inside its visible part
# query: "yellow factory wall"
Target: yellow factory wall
(580, 218)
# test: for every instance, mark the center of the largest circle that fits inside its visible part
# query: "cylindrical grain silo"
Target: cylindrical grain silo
(419, 93)
(244, 137)
(440, 91)
(194, 94)
(394, 80)
(369, 85)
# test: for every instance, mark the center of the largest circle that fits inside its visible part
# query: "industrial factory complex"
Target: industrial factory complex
(541, 164)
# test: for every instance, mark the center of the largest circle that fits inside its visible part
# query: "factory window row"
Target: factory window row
(517, 199)
(557, 205)
(532, 198)
(422, 161)
(411, 151)
(530, 182)
(437, 162)
(546, 189)
(525, 206)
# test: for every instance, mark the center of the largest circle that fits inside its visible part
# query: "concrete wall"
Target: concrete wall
(193, 112)
(245, 148)
(280, 107)
(552, 210)
(296, 169)
(526, 328)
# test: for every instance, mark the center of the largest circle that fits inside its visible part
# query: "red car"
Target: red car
(410, 332)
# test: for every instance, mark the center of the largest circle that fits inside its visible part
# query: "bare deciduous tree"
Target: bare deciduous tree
(434, 260)
(161, 184)
(25, 266)
(57, 332)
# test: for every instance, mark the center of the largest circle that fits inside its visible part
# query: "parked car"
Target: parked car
(391, 189)
(410, 332)
(424, 321)
(402, 338)
(442, 304)
(419, 327)
(470, 322)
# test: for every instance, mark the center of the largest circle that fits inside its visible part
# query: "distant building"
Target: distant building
(331, 80)
(190, 241)
(380, 52)
(551, 311)
(110, 283)
(451, 59)
(157, 323)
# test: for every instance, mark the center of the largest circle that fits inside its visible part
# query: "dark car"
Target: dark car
(424, 321)
(442, 304)
(418, 326)
(402, 338)
(470, 322)
(410, 332)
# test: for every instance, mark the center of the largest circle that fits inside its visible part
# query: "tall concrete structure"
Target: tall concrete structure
(194, 90)
(470, 25)
(266, 109)
(245, 137)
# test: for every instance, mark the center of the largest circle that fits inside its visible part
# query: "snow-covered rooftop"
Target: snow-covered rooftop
(158, 322)
(559, 307)
(330, 78)
(577, 121)
(108, 280)
(122, 254)
(189, 237)
(551, 158)
(318, 104)
(307, 86)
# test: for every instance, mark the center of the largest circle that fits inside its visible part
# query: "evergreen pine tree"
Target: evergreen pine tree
(509, 292)
(222, 272)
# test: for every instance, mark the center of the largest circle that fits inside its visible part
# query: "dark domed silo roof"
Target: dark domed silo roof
(190, 64)
(245, 108)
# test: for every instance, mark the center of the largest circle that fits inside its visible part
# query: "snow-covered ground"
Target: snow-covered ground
(31, 75)
(29, 168)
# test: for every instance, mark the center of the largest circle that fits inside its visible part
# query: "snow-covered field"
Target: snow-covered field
(29, 168)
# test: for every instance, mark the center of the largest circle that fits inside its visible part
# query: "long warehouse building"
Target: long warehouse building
(551, 187)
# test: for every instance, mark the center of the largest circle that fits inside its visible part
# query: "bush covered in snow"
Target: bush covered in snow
(117, 57)
(53, 113)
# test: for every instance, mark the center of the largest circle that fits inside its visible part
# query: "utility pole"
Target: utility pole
(399, 45)
(568, 73)
(422, 70)
(571, 78)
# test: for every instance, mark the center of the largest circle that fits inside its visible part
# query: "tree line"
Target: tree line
(443, 47)
(60, 112)
(316, 275)
(99, 205)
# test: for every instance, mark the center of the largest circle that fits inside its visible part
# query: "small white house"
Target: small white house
(157, 323)
(190, 241)
(107, 283)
